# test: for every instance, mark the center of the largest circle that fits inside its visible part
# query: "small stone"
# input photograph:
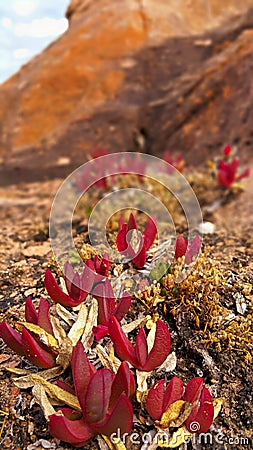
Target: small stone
(206, 228)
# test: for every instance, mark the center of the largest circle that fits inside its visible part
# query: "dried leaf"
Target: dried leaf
(142, 386)
(56, 393)
(102, 445)
(151, 337)
(58, 330)
(217, 403)
(79, 326)
(41, 397)
(169, 364)
(183, 416)
(46, 338)
(64, 357)
(172, 413)
(68, 316)
(135, 324)
(106, 360)
(88, 336)
(114, 444)
(17, 371)
(26, 383)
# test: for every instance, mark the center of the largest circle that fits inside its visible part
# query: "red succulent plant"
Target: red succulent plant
(183, 248)
(228, 168)
(126, 236)
(107, 307)
(100, 268)
(33, 348)
(201, 415)
(139, 356)
(229, 173)
(178, 163)
(104, 401)
(78, 286)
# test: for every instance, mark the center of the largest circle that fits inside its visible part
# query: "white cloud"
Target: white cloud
(24, 7)
(21, 53)
(6, 22)
(42, 27)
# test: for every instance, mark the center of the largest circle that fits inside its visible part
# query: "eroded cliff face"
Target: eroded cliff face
(165, 17)
(133, 75)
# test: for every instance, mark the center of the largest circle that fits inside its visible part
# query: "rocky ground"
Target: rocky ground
(225, 362)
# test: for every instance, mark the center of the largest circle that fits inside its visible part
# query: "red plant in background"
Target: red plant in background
(78, 286)
(228, 169)
(139, 356)
(183, 248)
(96, 173)
(125, 240)
(24, 343)
(201, 416)
(107, 307)
(104, 400)
(228, 172)
(132, 163)
(179, 163)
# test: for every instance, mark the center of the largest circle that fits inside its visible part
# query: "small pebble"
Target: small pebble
(206, 228)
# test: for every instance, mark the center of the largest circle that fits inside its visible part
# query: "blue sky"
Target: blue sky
(26, 28)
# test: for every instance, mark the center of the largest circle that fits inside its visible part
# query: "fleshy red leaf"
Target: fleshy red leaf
(123, 306)
(149, 233)
(104, 294)
(75, 288)
(86, 282)
(105, 265)
(120, 419)
(141, 347)
(193, 390)
(55, 292)
(227, 150)
(205, 416)
(68, 275)
(100, 331)
(161, 347)
(132, 225)
(43, 316)
(74, 432)
(35, 353)
(180, 247)
(195, 246)
(30, 312)
(123, 383)
(12, 338)
(102, 267)
(202, 420)
(223, 179)
(121, 238)
(205, 396)
(122, 345)
(173, 392)
(154, 400)
(244, 174)
(98, 396)
(82, 371)
(140, 259)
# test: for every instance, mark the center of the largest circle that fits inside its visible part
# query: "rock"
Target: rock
(143, 75)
